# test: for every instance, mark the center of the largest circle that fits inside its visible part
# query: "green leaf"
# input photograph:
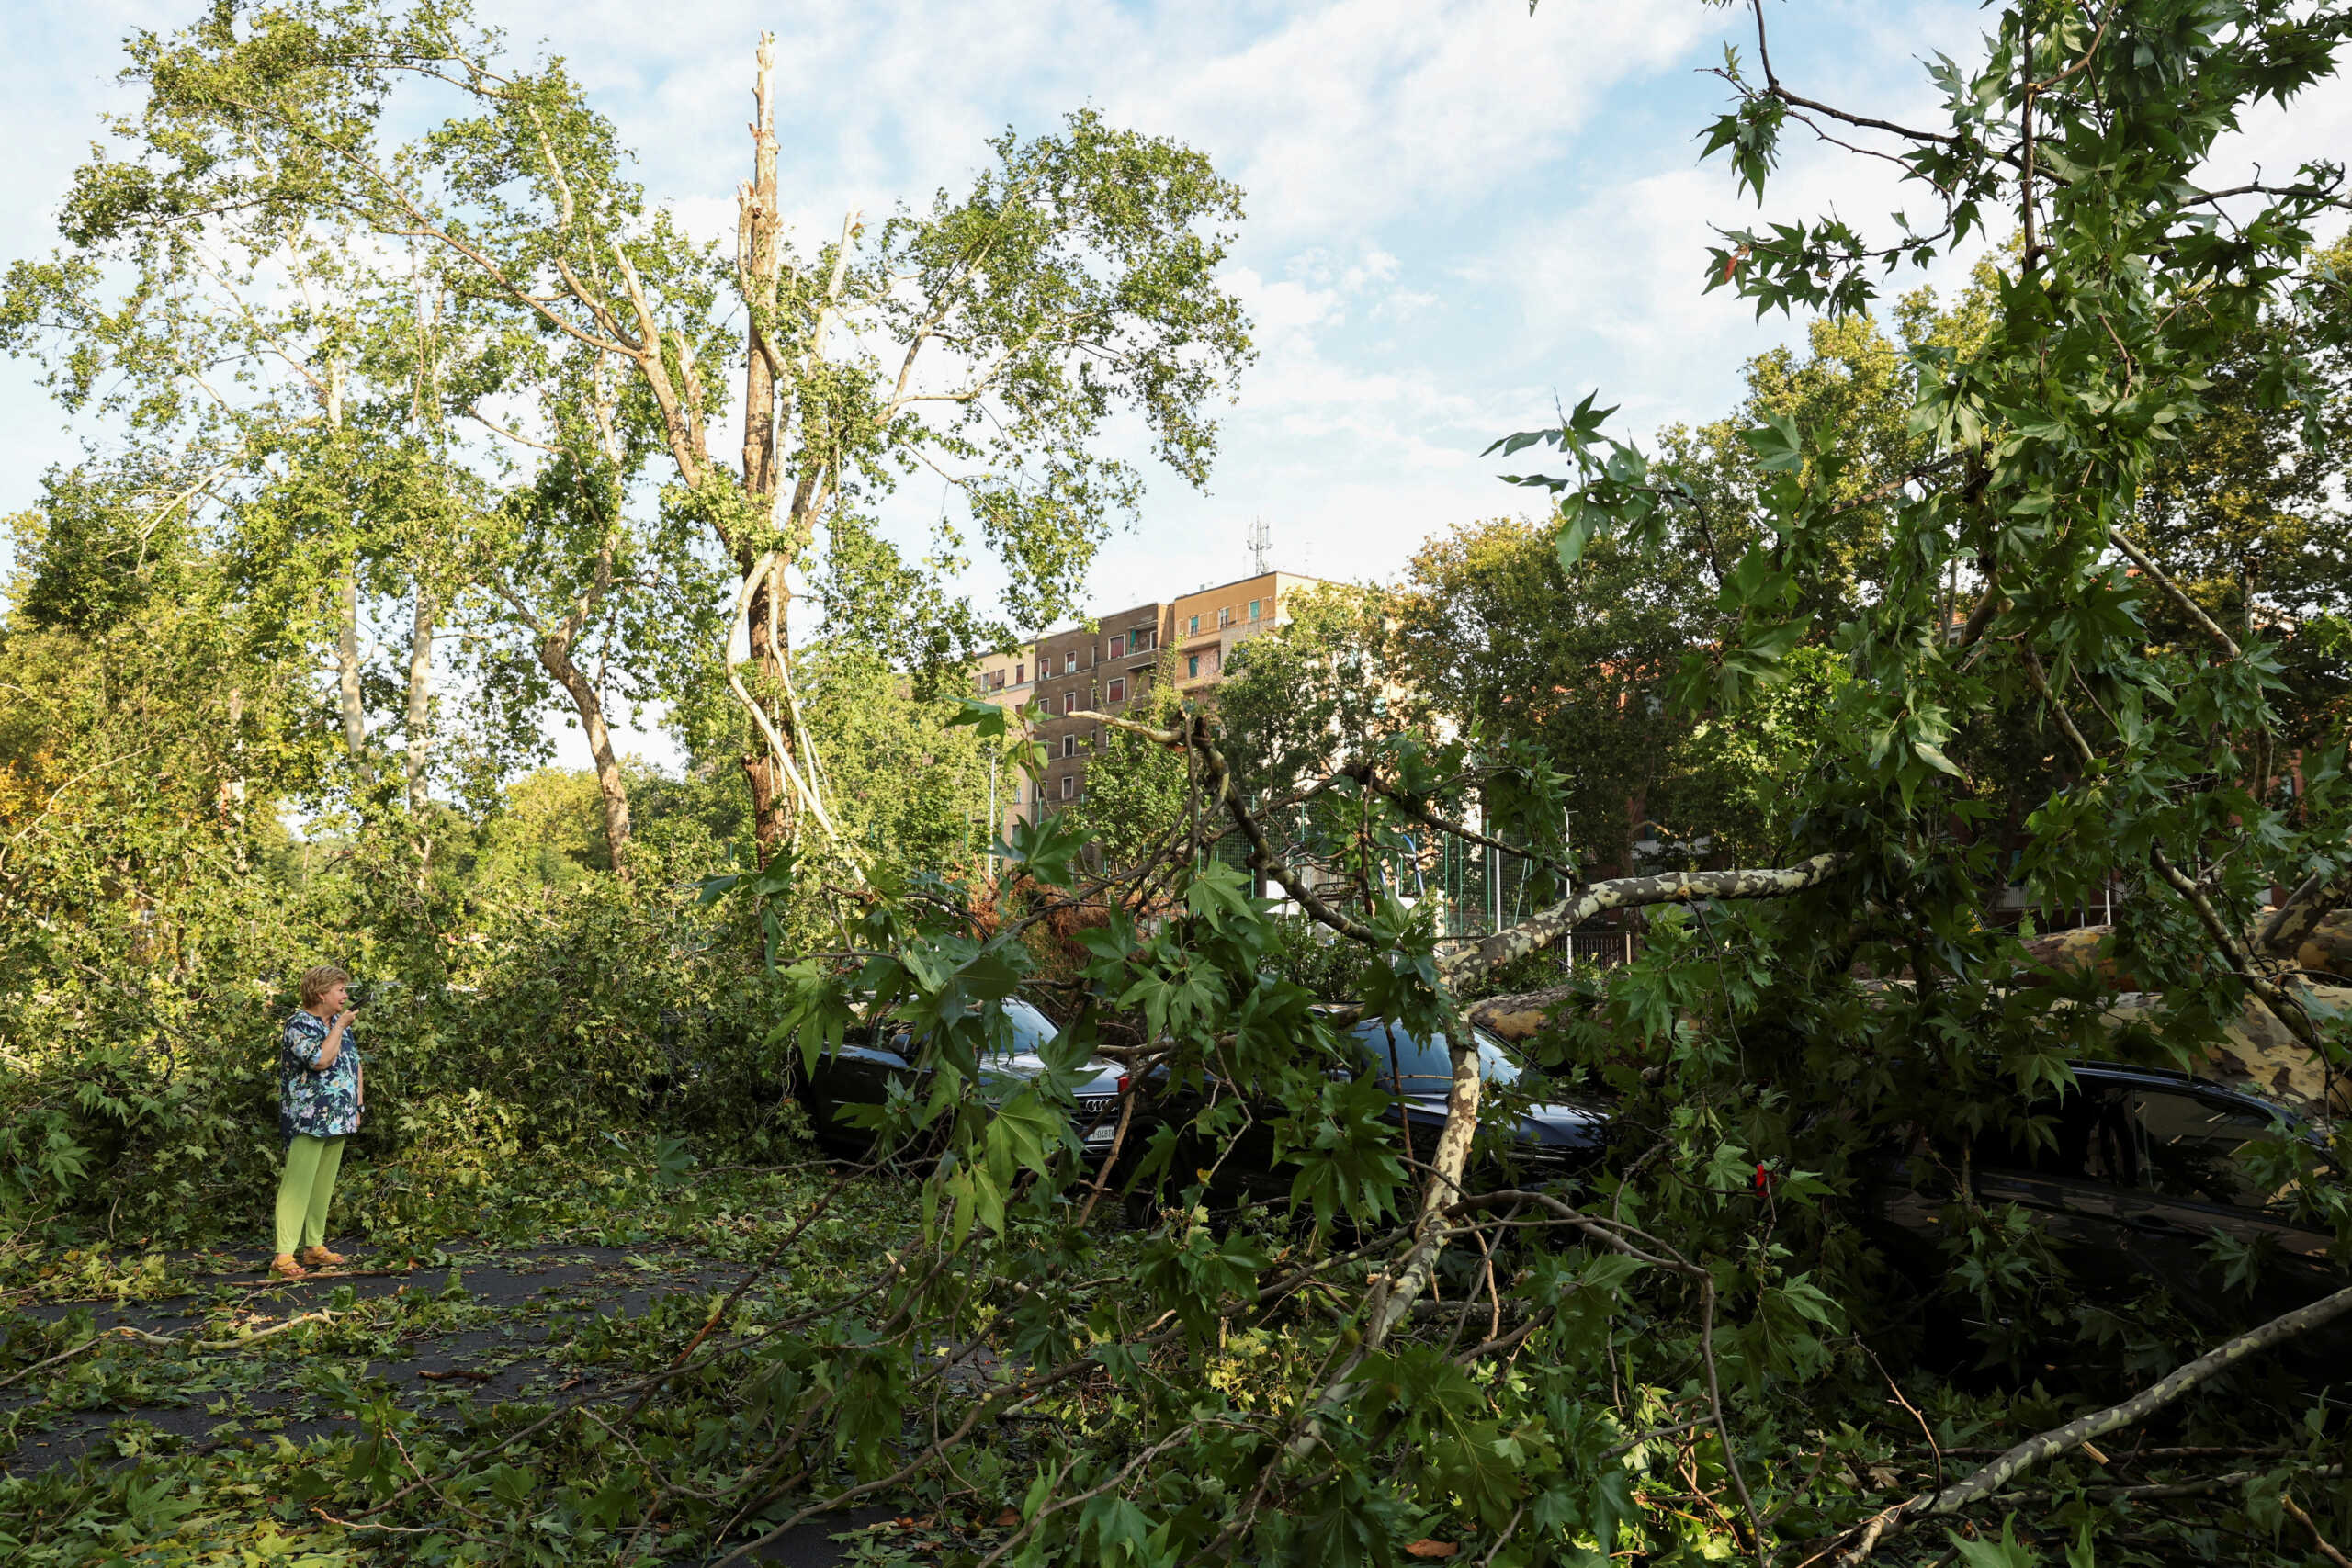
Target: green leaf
(1578, 518)
(2006, 1552)
(988, 718)
(1776, 443)
(1933, 756)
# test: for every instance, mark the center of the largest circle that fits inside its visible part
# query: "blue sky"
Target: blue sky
(1457, 211)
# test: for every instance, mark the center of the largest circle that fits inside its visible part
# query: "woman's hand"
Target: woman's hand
(333, 1047)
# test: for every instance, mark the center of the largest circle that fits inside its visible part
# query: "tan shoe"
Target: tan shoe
(320, 1257)
(285, 1267)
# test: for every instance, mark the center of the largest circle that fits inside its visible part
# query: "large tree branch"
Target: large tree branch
(1633, 892)
(2049, 1445)
(1261, 854)
(2291, 924)
(1593, 898)
(693, 462)
(2182, 601)
(1988, 604)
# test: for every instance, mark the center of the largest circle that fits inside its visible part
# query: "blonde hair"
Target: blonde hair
(320, 981)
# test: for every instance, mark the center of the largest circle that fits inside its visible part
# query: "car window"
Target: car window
(1028, 1030)
(1424, 1065)
(2089, 1138)
(2191, 1144)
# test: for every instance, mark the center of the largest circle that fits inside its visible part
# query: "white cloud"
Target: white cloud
(1361, 112)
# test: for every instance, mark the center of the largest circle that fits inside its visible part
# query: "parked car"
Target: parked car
(1548, 1136)
(862, 1071)
(2139, 1175)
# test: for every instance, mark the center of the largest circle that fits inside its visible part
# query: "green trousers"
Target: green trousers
(305, 1189)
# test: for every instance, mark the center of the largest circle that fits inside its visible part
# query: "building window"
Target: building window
(1070, 701)
(1253, 609)
(1195, 627)
(1193, 666)
(1140, 639)
(1118, 646)
(1021, 675)
(1118, 688)
(1069, 745)
(996, 680)
(1070, 786)
(1224, 618)
(1070, 663)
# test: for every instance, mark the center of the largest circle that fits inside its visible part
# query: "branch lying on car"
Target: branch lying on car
(2292, 923)
(1582, 905)
(1881, 1527)
(1632, 892)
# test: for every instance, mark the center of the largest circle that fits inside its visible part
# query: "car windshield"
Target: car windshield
(1030, 1028)
(1027, 1030)
(1424, 1063)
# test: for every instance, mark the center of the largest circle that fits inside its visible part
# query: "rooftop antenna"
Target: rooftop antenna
(1261, 541)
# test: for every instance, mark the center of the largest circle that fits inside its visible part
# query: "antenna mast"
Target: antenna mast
(1261, 542)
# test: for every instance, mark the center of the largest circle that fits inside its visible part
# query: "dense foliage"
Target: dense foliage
(1843, 623)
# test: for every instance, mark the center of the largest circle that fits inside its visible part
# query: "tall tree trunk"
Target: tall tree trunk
(761, 256)
(555, 657)
(420, 694)
(773, 806)
(346, 664)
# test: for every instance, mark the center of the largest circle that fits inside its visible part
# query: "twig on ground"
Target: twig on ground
(2327, 1548)
(168, 1342)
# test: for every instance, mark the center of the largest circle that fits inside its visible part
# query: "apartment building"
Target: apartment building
(1101, 669)
(1109, 667)
(1211, 624)
(1104, 669)
(1004, 677)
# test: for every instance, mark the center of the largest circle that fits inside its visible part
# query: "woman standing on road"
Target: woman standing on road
(321, 1090)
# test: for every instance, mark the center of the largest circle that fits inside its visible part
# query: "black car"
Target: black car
(1547, 1138)
(868, 1062)
(2138, 1176)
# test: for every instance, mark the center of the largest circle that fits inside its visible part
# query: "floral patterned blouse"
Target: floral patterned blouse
(315, 1101)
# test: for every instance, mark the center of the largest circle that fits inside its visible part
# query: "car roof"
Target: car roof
(2125, 1073)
